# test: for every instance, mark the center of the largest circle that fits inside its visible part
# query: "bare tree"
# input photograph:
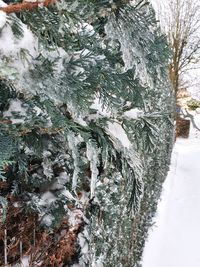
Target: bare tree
(180, 20)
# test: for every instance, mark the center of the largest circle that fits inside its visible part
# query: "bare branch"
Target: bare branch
(191, 117)
(16, 8)
(180, 20)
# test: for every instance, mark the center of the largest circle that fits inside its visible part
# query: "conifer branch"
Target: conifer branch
(15, 8)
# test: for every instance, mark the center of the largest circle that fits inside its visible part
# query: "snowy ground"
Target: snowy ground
(174, 240)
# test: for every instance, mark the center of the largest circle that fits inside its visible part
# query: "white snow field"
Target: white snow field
(174, 240)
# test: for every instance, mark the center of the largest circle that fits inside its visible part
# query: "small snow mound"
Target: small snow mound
(118, 133)
(133, 113)
(2, 19)
(47, 198)
(20, 51)
(10, 45)
(25, 261)
(86, 29)
(15, 107)
(47, 220)
(2, 4)
(97, 105)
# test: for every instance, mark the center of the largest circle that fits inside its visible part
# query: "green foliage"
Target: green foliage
(7, 148)
(16, 26)
(67, 142)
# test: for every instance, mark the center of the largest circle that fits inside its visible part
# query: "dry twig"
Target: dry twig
(15, 8)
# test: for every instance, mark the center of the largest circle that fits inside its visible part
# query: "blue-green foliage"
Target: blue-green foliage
(64, 126)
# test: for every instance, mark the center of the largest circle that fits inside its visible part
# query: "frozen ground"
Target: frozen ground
(174, 241)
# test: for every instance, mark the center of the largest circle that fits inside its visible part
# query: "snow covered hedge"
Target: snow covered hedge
(86, 130)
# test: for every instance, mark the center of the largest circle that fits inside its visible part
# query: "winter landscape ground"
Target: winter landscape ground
(174, 239)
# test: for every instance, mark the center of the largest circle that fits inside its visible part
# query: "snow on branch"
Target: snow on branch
(15, 8)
